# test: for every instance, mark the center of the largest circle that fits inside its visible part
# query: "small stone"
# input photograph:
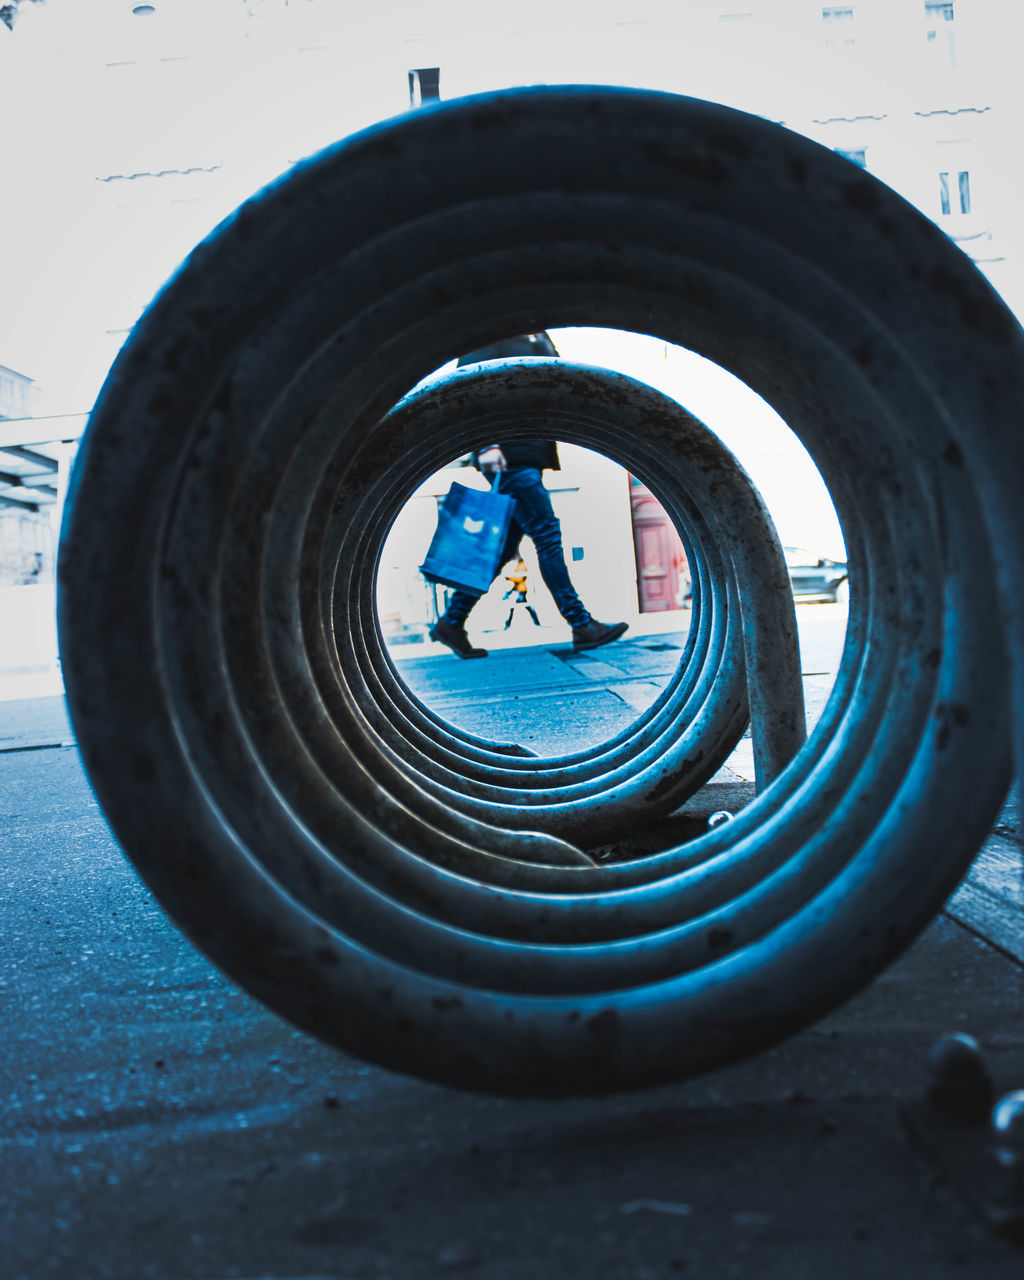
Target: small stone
(960, 1087)
(719, 817)
(1008, 1126)
(1007, 1152)
(956, 1057)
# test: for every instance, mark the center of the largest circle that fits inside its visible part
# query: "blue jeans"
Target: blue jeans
(534, 516)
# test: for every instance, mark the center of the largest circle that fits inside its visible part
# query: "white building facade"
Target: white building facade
(141, 126)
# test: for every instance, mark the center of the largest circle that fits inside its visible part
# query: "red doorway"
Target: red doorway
(662, 574)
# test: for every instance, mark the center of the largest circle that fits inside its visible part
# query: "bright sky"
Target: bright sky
(236, 90)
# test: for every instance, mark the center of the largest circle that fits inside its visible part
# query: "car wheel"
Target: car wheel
(841, 595)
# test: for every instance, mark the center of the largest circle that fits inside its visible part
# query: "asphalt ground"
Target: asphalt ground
(157, 1122)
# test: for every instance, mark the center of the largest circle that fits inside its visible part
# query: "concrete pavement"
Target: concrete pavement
(157, 1123)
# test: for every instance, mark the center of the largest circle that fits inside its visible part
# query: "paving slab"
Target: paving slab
(31, 723)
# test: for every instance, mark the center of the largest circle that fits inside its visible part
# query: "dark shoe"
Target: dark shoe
(456, 640)
(593, 633)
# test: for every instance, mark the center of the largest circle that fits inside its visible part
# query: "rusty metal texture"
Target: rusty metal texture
(288, 802)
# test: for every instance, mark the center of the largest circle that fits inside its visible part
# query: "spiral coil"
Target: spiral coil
(423, 897)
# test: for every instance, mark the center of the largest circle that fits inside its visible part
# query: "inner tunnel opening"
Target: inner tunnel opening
(626, 562)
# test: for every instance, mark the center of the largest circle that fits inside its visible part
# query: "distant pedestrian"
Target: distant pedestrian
(519, 464)
(517, 594)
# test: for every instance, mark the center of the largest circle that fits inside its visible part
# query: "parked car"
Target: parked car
(815, 577)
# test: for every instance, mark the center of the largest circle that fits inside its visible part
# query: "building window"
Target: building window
(963, 191)
(839, 24)
(424, 86)
(855, 155)
(938, 11)
(14, 401)
(940, 32)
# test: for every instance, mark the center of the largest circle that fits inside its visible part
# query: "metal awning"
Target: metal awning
(31, 452)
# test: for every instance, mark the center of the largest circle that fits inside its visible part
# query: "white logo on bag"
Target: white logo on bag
(472, 526)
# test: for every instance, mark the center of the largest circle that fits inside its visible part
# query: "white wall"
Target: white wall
(131, 137)
(28, 628)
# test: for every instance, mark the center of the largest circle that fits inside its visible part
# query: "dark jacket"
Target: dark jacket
(542, 454)
(524, 344)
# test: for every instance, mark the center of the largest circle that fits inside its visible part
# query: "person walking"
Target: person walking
(519, 465)
(517, 594)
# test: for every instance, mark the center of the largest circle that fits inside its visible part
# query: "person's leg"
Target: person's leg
(537, 518)
(458, 608)
(450, 628)
(510, 551)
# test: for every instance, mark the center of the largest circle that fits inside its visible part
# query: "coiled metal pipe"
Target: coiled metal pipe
(649, 770)
(217, 701)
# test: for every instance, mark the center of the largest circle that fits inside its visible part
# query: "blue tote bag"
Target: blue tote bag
(465, 551)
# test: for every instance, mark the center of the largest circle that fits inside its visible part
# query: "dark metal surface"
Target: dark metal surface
(251, 753)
